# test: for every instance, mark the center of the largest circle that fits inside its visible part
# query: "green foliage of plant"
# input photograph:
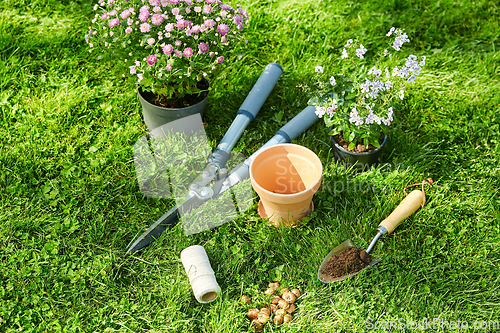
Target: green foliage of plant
(166, 47)
(70, 203)
(358, 103)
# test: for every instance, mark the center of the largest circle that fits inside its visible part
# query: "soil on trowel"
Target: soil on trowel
(349, 261)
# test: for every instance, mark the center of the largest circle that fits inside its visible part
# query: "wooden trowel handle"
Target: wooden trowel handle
(408, 206)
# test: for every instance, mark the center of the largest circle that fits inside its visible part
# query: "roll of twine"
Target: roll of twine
(200, 273)
(205, 288)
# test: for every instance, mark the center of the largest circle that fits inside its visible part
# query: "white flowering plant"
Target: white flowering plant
(358, 102)
(168, 46)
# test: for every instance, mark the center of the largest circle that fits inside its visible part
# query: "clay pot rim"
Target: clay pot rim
(314, 188)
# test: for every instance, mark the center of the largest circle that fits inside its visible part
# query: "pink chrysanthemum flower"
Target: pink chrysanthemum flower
(181, 24)
(178, 53)
(207, 9)
(196, 29)
(143, 16)
(222, 29)
(145, 27)
(114, 22)
(125, 14)
(150, 41)
(164, 3)
(144, 9)
(128, 30)
(113, 12)
(104, 16)
(156, 19)
(157, 9)
(226, 7)
(151, 59)
(140, 77)
(197, 9)
(167, 49)
(169, 27)
(220, 59)
(154, 2)
(177, 43)
(133, 70)
(211, 54)
(203, 47)
(209, 24)
(243, 12)
(238, 19)
(168, 67)
(224, 39)
(174, 2)
(188, 52)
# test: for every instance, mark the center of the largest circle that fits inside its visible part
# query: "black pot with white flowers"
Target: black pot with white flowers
(357, 101)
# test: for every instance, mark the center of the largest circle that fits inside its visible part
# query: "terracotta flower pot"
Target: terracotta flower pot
(156, 116)
(285, 177)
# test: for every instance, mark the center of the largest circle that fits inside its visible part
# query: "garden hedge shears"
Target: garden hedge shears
(203, 201)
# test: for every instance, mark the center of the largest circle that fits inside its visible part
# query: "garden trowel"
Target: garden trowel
(408, 206)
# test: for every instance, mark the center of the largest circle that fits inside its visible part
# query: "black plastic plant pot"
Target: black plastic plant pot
(156, 116)
(359, 161)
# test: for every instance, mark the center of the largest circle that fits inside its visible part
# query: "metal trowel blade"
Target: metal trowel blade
(344, 245)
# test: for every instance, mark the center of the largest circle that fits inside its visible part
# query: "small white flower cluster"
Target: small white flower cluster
(329, 110)
(411, 69)
(360, 52)
(361, 103)
(372, 118)
(401, 38)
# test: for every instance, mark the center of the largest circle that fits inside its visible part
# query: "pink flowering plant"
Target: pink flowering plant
(168, 46)
(358, 102)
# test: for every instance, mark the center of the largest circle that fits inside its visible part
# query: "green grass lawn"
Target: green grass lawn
(70, 203)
